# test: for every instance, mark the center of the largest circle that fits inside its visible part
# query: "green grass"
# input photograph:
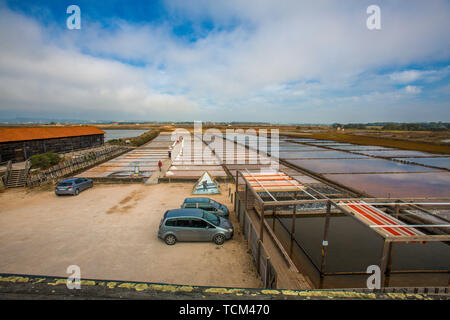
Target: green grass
(378, 141)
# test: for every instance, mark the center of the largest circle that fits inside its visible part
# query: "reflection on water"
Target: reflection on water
(357, 165)
(396, 153)
(297, 148)
(398, 184)
(356, 147)
(319, 154)
(119, 134)
(352, 247)
(435, 162)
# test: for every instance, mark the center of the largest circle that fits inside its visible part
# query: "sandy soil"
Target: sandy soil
(110, 231)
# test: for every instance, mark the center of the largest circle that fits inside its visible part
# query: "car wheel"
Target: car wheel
(77, 192)
(170, 239)
(219, 239)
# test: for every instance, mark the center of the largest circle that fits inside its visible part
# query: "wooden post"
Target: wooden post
(235, 195)
(292, 230)
(266, 276)
(261, 237)
(294, 212)
(391, 247)
(274, 216)
(246, 197)
(325, 240)
(238, 208)
(383, 262)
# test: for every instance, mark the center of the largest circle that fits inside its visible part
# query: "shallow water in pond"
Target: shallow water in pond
(397, 153)
(397, 184)
(356, 147)
(111, 134)
(353, 247)
(357, 165)
(318, 154)
(435, 162)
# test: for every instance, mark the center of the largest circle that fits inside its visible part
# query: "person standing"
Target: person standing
(159, 165)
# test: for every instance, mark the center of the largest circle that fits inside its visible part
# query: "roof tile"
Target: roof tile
(38, 133)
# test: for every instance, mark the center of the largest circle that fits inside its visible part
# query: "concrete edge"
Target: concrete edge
(46, 287)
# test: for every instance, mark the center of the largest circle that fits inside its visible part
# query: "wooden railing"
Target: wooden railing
(7, 172)
(73, 165)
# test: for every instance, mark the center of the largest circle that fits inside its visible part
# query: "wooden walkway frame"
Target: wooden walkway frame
(388, 241)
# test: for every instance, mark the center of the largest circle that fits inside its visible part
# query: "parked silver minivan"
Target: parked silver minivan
(194, 225)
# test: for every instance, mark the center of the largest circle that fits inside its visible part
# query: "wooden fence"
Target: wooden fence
(259, 253)
(75, 164)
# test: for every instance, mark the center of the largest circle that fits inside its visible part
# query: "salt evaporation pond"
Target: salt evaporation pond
(356, 165)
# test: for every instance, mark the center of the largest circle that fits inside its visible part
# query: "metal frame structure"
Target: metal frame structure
(363, 210)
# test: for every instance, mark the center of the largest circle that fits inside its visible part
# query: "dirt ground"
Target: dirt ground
(110, 231)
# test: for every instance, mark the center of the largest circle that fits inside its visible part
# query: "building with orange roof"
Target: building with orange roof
(19, 144)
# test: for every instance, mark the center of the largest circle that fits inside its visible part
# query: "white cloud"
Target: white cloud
(268, 55)
(408, 76)
(413, 89)
(41, 77)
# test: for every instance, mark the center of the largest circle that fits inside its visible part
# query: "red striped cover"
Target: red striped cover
(373, 216)
(272, 181)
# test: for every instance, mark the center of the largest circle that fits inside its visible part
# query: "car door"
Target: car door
(190, 205)
(201, 232)
(184, 230)
(206, 206)
(211, 208)
(82, 184)
(86, 183)
(76, 184)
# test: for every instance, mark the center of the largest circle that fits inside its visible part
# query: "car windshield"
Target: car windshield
(65, 184)
(211, 218)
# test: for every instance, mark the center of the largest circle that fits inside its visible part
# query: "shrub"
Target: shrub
(144, 138)
(137, 141)
(45, 160)
(115, 142)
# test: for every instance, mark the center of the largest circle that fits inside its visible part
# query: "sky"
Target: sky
(232, 60)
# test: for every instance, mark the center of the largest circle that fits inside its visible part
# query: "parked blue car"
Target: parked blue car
(73, 186)
(208, 205)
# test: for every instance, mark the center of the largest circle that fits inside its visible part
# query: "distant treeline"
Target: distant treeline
(422, 126)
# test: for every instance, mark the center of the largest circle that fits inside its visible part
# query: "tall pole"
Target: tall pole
(293, 229)
(383, 261)
(261, 238)
(325, 240)
(274, 210)
(246, 196)
(235, 195)
(391, 247)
